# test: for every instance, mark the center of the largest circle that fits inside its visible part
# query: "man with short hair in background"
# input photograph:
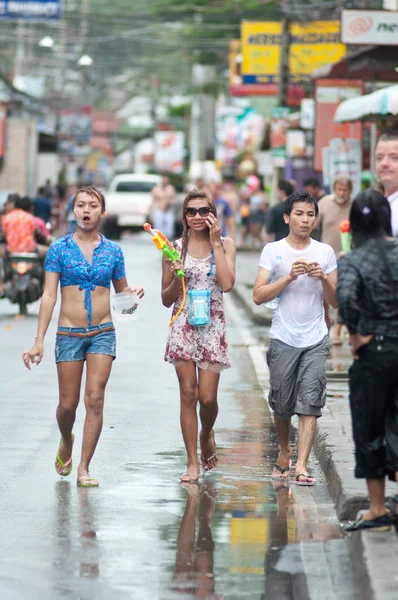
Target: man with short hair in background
(164, 199)
(313, 187)
(277, 228)
(334, 208)
(225, 214)
(386, 158)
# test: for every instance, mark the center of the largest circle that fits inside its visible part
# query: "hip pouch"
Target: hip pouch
(198, 307)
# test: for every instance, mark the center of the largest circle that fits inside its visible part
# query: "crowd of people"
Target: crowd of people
(302, 273)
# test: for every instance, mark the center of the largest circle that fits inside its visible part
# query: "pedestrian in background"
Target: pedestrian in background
(300, 272)
(258, 211)
(277, 228)
(367, 293)
(42, 205)
(197, 344)
(164, 199)
(225, 214)
(334, 208)
(85, 263)
(386, 159)
(313, 187)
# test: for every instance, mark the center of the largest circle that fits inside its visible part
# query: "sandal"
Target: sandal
(87, 481)
(392, 506)
(282, 471)
(308, 479)
(382, 523)
(67, 465)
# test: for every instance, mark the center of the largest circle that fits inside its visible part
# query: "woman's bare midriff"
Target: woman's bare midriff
(73, 312)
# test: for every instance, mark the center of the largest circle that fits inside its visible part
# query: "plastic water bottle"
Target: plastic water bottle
(275, 275)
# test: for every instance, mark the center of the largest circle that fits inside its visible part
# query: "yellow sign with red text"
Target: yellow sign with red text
(312, 45)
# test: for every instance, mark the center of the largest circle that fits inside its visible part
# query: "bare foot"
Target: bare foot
(65, 454)
(192, 473)
(208, 455)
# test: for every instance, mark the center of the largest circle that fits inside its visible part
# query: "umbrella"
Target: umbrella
(384, 102)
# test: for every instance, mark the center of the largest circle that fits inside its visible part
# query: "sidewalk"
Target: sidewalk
(334, 448)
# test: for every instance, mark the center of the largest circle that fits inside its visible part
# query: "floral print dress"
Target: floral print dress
(205, 345)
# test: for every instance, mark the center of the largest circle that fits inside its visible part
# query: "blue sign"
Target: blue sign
(31, 10)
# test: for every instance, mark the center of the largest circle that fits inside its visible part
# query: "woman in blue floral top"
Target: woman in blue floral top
(84, 263)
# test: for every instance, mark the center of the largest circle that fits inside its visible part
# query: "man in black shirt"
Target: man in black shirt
(276, 226)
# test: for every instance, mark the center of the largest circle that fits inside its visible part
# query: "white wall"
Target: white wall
(48, 166)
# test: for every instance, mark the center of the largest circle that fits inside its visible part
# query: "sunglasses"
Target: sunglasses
(203, 211)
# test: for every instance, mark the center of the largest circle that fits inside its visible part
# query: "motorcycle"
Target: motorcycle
(23, 279)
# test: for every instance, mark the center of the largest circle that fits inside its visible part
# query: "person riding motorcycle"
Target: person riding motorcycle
(19, 229)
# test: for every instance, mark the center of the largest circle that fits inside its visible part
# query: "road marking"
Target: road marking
(256, 351)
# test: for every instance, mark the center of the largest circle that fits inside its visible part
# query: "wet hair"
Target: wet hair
(389, 135)
(285, 186)
(24, 203)
(194, 195)
(312, 182)
(343, 180)
(301, 197)
(370, 217)
(94, 193)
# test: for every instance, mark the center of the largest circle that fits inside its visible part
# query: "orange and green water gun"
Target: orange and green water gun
(162, 243)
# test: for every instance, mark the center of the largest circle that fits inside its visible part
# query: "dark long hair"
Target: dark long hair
(193, 195)
(370, 217)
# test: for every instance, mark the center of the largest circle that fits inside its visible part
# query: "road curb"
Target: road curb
(335, 454)
(258, 314)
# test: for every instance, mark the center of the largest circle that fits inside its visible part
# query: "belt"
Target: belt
(88, 334)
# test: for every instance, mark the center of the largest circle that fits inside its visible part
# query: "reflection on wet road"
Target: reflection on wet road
(142, 535)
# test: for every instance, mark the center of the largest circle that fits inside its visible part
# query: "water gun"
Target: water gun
(346, 236)
(162, 243)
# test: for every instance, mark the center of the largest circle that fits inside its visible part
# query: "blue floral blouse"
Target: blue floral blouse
(65, 257)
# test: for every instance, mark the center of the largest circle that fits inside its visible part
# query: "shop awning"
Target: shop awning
(384, 102)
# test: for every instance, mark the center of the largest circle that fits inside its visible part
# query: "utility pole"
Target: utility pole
(277, 172)
(284, 62)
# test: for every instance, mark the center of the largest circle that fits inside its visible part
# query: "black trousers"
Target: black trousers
(374, 409)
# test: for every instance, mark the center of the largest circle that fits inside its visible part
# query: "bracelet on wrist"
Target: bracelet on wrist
(39, 339)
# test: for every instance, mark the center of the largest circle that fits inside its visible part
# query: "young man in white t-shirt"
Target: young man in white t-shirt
(302, 272)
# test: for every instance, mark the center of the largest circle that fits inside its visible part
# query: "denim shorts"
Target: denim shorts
(74, 343)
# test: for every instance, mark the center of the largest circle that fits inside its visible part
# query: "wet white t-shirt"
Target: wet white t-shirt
(299, 319)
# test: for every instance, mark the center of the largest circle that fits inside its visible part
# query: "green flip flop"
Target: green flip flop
(85, 481)
(67, 465)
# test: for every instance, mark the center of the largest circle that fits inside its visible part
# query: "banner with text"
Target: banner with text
(312, 45)
(31, 10)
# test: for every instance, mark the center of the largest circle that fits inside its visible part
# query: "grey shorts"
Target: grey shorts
(297, 379)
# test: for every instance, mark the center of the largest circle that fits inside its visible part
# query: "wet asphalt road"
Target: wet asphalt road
(142, 535)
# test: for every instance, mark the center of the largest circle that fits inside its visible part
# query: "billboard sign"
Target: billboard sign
(312, 45)
(169, 151)
(345, 158)
(328, 95)
(31, 10)
(377, 27)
